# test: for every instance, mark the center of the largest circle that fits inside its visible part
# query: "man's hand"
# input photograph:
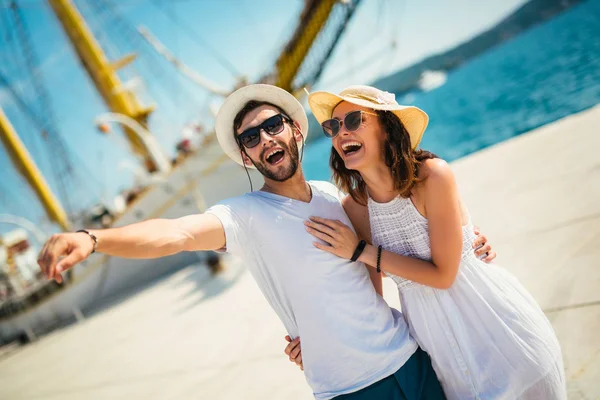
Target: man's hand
(294, 352)
(63, 251)
(483, 249)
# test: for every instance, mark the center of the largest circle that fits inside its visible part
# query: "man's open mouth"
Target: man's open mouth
(350, 148)
(275, 156)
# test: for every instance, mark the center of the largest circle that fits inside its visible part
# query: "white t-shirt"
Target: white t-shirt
(350, 337)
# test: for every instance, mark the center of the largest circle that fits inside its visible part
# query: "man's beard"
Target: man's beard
(281, 175)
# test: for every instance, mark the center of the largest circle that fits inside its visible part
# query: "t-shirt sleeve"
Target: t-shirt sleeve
(234, 224)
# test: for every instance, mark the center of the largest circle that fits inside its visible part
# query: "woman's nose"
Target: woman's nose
(343, 131)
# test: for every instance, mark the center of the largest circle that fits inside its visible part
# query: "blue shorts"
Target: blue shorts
(415, 380)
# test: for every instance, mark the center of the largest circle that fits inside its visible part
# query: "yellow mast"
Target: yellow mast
(103, 73)
(291, 59)
(26, 166)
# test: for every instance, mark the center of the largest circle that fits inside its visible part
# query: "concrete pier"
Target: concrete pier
(189, 336)
(537, 197)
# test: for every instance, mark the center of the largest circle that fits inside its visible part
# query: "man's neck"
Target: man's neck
(295, 188)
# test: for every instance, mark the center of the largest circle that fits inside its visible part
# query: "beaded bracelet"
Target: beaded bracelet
(379, 259)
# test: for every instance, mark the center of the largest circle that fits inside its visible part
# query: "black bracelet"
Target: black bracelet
(379, 259)
(359, 249)
(91, 235)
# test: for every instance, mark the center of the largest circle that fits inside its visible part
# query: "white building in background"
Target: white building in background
(18, 263)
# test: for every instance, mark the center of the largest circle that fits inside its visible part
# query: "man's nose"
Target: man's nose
(265, 137)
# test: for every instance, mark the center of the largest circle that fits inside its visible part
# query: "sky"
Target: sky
(220, 39)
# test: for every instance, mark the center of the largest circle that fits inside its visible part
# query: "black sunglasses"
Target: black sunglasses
(352, 121)
(273, 126)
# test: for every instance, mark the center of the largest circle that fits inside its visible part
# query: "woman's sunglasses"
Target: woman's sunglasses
(272, 126)
(351, 121)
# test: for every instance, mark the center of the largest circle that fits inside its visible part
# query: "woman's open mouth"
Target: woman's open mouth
(351, 148)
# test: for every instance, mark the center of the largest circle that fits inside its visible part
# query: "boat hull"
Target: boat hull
(201, 180)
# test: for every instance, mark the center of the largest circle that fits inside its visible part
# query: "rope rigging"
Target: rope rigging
(127, 39)
(194, 36)
(63, 167)
(38, 110)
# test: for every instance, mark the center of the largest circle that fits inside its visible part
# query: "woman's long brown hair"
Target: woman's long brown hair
(403, 161)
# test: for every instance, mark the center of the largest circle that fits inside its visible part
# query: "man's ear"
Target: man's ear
(297, 132)
(247, 161)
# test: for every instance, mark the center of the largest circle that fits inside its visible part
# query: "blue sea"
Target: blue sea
(544, 74)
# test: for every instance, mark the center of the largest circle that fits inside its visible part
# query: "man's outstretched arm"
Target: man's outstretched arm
(148, 239)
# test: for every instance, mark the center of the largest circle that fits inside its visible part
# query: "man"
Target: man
(353, 344)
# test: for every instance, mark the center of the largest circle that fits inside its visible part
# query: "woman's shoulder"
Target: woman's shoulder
(435, 171)
(435, 167)
(351, 205)
(436, 181)
(435, 174)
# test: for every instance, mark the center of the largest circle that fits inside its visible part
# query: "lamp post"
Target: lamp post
(160, 160)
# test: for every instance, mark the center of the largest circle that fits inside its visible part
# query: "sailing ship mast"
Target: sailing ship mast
(302, 59)
(103, 73)
(27, 167)
(312, 21)
(119, 99)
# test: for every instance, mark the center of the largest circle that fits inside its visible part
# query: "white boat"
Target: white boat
(202, 180)
(431, 80)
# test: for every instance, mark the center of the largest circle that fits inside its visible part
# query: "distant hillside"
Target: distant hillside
(530, 14)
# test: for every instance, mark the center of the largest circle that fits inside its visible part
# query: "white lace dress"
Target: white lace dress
(486, 335)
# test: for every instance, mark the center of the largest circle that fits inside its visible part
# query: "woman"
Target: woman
(487, 337)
